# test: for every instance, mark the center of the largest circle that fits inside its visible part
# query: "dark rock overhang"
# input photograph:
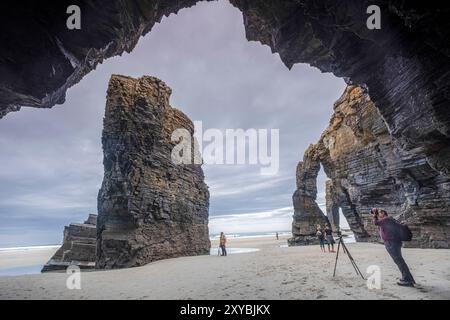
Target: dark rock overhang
(405, 65)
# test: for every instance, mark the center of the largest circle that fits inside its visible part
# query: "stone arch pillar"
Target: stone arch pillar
(307, 214)
(332, 205)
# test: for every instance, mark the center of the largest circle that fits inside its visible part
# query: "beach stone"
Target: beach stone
(368, 169)
(149, 207)
(78, 248)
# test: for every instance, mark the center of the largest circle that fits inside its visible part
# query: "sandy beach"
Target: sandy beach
(273, 272)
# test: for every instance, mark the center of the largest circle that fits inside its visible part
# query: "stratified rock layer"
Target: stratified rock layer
(78, 248)
(332, 205)
(367, 169)
(44, 58)
(149, 207)
(307, 214)
(405, 64)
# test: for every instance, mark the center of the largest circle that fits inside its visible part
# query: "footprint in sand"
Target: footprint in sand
(421, 288)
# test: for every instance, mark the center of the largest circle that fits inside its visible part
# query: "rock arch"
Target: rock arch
(307, 214)
(367, 169)
(404, 66)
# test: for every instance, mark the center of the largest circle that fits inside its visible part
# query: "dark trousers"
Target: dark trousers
(224, 250)
(394, 248)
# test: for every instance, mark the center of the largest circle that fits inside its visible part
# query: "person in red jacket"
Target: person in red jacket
(393, 244)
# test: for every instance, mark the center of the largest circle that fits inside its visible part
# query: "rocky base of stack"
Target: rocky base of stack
(78, 248)
(302, 240)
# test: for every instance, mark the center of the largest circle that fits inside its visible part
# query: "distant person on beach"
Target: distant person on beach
(277, 235)
(223, 243)
(392, 241)
(320, 235)
(329, 237)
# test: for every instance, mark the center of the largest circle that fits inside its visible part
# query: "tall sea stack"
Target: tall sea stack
(149, 207)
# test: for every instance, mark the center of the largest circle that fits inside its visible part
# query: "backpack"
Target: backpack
(403, 231)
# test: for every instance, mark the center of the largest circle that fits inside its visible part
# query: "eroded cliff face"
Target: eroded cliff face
(404, 66)
(41, 58)
(149, 207)
(367, 169)
(78, 248)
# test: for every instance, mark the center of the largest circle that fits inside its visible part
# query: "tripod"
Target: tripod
(341, 242)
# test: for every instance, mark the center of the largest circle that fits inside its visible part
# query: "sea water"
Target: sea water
(53, 246)
(249, 235)
(216, 252)
(19, 271)
(23, 270)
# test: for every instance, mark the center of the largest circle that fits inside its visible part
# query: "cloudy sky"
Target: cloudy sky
(51, 160)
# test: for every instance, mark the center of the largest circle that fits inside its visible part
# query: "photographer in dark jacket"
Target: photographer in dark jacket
(393, 244)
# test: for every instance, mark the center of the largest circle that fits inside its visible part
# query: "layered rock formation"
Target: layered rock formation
(332, 205)
(368, 169)
(307, 214)
(44, 58)
(149, 207)
(78, 247)
(405, 65)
